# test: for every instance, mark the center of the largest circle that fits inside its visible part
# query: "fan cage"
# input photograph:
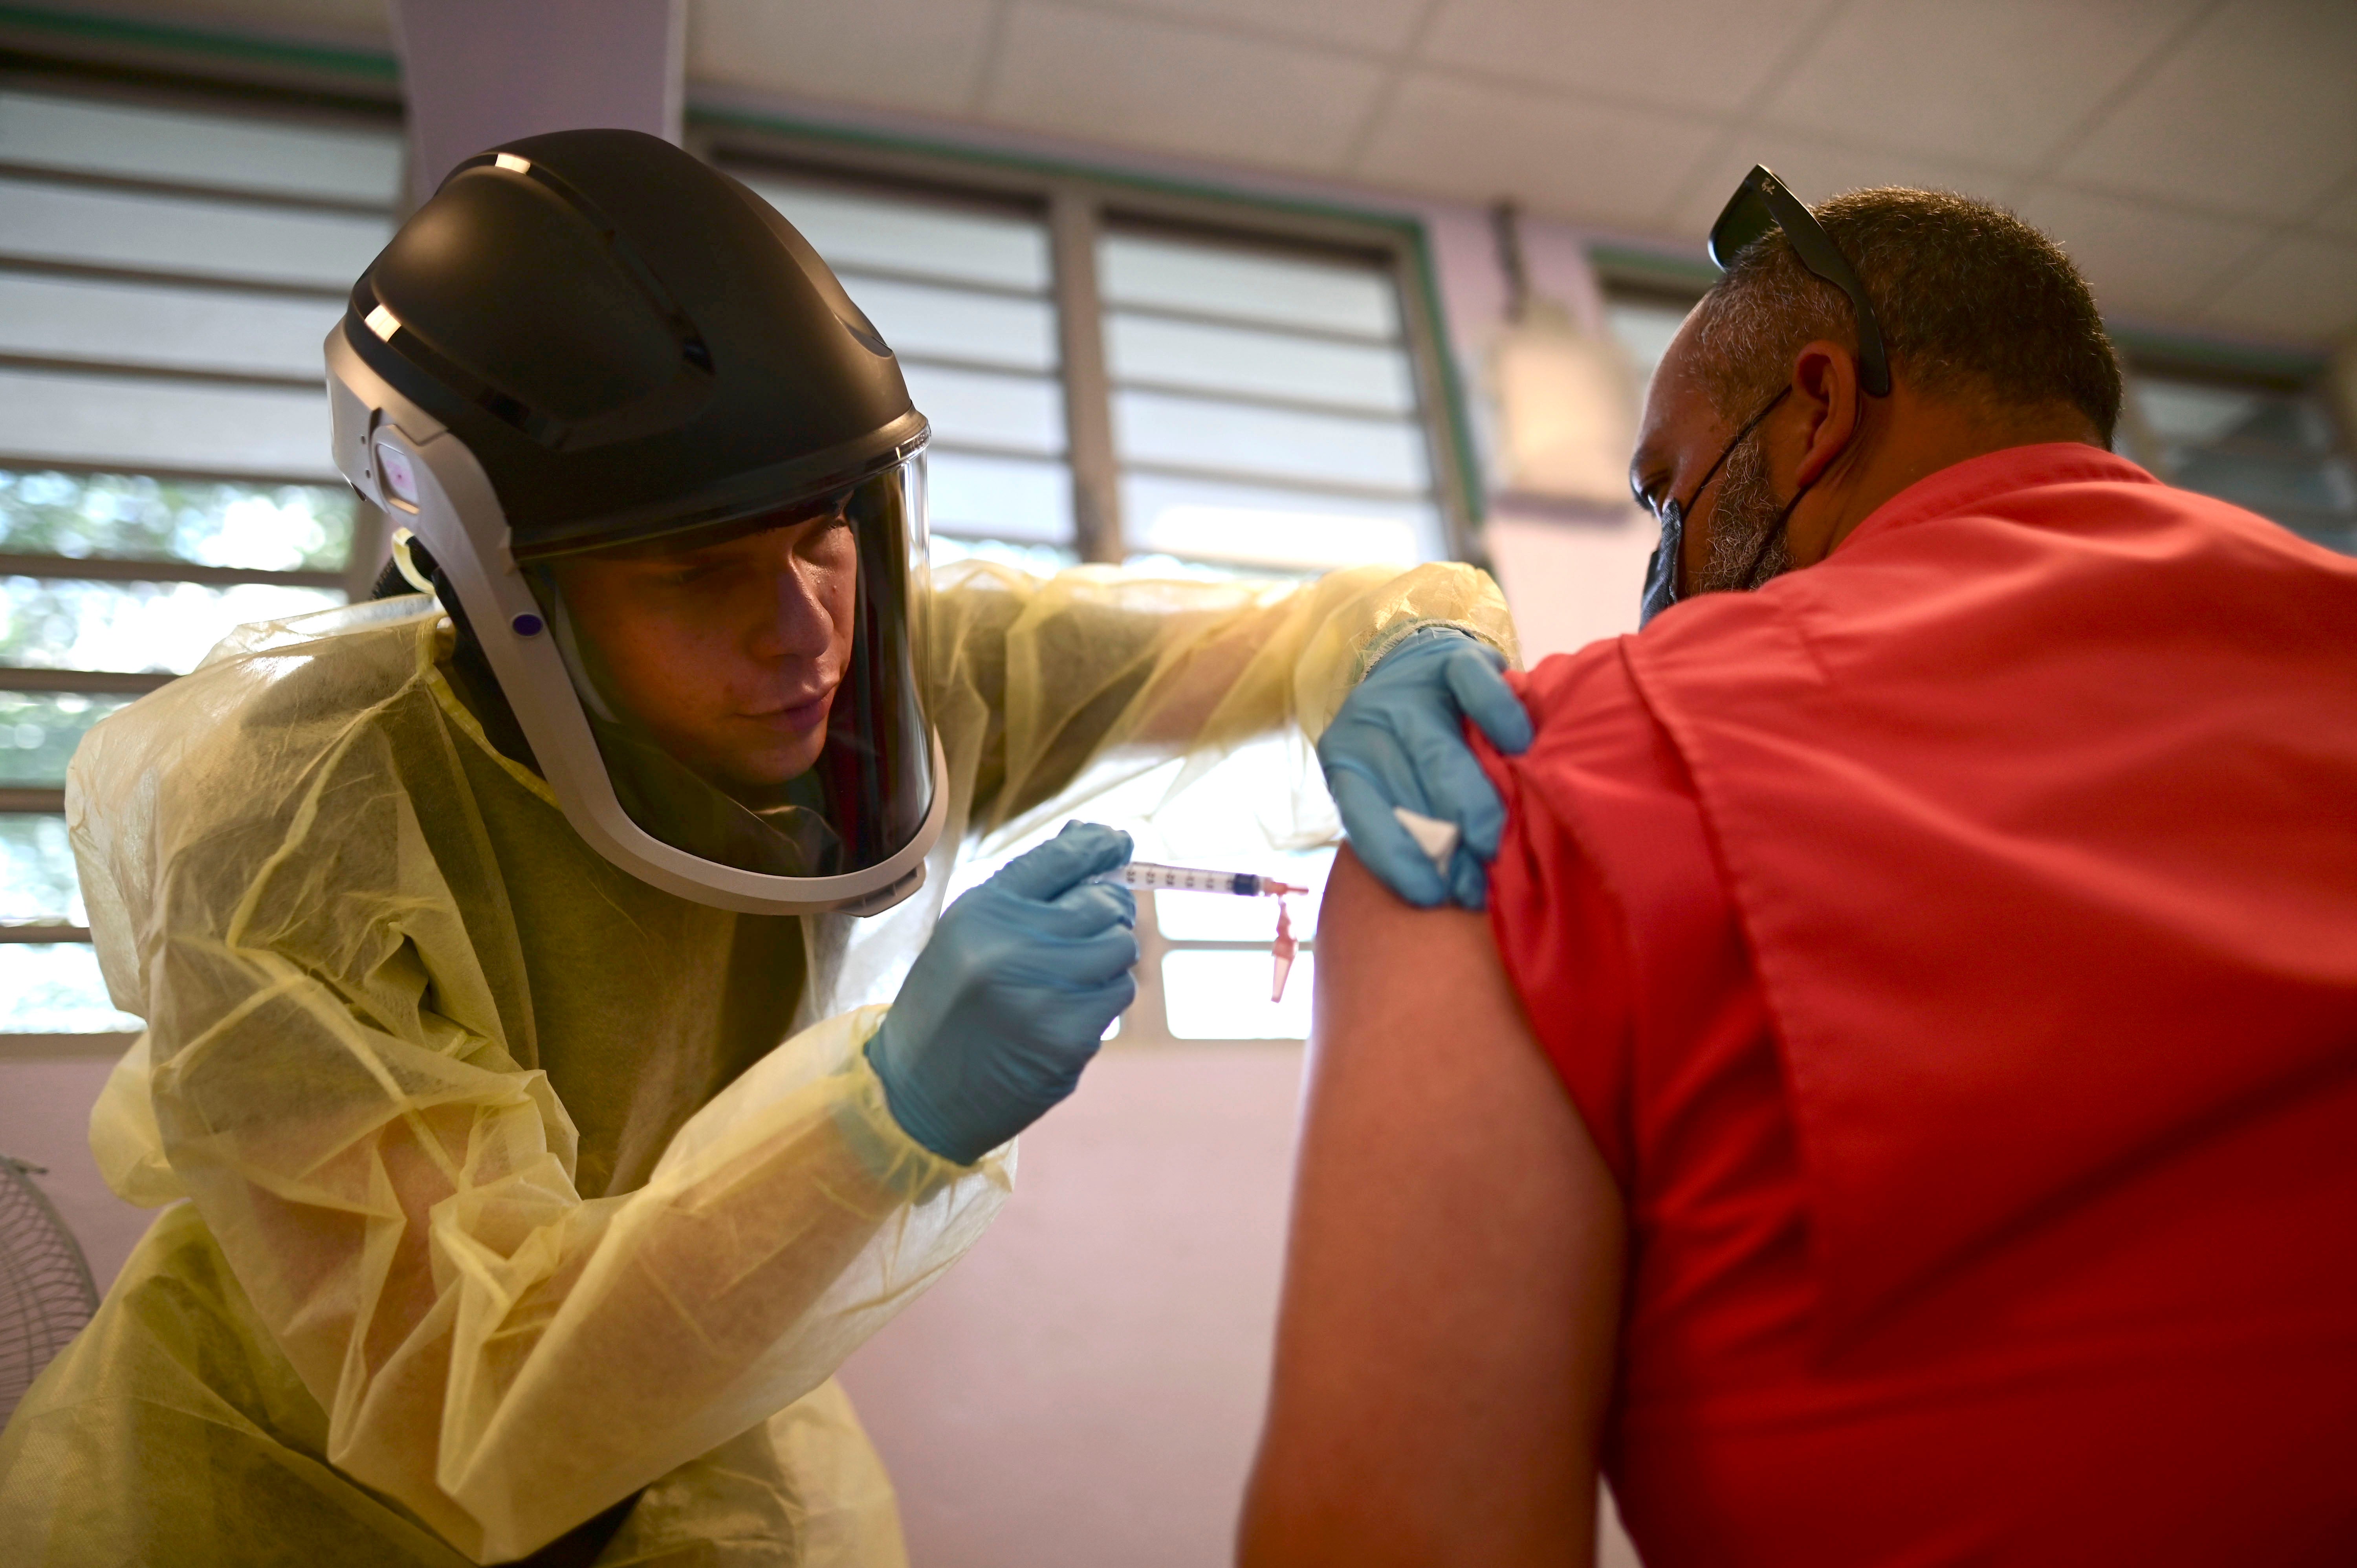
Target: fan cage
(45, 1290)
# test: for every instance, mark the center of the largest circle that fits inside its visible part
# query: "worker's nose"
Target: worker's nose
(795, 622)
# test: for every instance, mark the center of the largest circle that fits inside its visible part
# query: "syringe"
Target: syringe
(1184, 879)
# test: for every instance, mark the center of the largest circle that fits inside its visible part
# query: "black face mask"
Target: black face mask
(1662, 571)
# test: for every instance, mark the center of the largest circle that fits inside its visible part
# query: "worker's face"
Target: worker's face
(727, 654)
(1732, 537)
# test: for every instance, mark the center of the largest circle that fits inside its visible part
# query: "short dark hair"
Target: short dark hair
(1972, 301)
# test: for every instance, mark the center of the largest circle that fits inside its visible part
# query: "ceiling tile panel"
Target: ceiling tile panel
(1479, 142)
(2001, 83)
(2303, 287)
(2256, 113)
(1711, 55)
(1359, 26)
(1816, 169)
(924, 55)
(2141, 260)
(1143, 82)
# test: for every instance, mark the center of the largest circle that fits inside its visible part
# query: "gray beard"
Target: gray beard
(1742, 553)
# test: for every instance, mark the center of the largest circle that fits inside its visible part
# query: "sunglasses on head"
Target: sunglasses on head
(1760, 204)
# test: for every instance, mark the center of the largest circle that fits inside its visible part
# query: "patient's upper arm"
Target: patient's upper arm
(1446, 1346)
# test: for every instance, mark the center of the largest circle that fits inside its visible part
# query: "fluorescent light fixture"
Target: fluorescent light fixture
(384, 323)
(512, 163)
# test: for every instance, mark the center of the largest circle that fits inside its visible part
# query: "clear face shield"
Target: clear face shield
(673, 486)
(753, 687)
(731, 705)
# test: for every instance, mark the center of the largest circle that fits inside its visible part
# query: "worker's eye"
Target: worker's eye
(828, 538)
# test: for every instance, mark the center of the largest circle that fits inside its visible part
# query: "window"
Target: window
(168, 271)
(2267, 443)
(1180, 385)
(1266, 418)
(1264, 406)
(964, 294)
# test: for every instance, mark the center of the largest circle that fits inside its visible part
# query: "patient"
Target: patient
(1902, 1103)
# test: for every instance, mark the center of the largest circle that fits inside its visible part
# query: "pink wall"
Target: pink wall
(45, 1119)
(1085, 1387)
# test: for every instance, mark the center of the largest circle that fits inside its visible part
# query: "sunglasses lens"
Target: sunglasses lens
(1745, 220)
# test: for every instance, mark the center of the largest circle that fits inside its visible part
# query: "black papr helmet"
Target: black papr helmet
(592, 339)
(628, 340)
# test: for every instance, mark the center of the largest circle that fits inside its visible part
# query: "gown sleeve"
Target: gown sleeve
(1055, 674)
(325, 1073)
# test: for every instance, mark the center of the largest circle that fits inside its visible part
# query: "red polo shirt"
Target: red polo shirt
(1953, 950)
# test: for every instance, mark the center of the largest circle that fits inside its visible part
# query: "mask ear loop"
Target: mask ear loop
(404, 565)
(1664, 575)
(1784, 517)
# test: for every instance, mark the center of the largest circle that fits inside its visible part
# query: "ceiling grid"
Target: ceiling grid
(2198, 156)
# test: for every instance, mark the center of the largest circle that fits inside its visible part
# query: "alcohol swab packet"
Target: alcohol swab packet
(1437, 839)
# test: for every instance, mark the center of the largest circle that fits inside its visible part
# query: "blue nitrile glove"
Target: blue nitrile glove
(1011, 998)
(1399, 740)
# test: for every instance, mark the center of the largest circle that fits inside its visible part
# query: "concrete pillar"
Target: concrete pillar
(480, 72)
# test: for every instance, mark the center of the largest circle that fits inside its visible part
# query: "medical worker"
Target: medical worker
(467, 928)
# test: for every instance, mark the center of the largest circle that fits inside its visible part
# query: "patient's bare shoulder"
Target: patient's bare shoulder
(1379, 957)
(1444, 1350)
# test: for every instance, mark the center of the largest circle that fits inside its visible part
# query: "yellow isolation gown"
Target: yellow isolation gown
(506, 1202)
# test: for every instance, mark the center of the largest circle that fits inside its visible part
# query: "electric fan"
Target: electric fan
(45, 1293)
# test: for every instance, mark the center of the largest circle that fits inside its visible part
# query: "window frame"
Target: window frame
(1078, 204)
(120, 75)
(2236, 368)
(1147, 1021)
